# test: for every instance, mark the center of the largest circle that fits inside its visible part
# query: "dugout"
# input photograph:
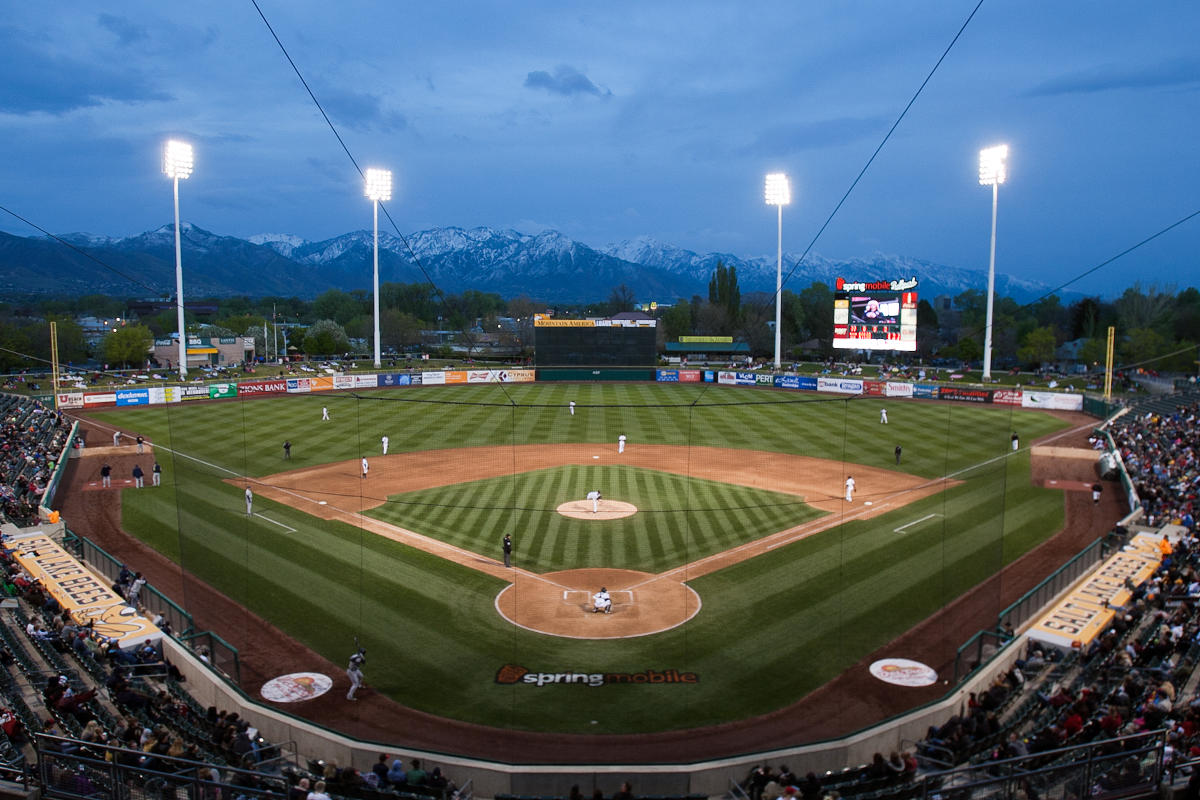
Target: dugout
(608, 342)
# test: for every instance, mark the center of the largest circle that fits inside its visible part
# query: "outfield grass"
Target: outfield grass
(771, 628)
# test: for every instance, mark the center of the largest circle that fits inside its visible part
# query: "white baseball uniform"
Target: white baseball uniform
(364, 466)
(385, 444)
(324, 413)
(883, 416)
(572, 408)
(594, 496)
(849, 490)
(621, 443)
(249, 501)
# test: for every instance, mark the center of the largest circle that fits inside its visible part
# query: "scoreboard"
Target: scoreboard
(875, 315)
(595, 342)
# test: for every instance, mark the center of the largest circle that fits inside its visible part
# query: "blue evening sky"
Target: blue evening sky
(609, 121)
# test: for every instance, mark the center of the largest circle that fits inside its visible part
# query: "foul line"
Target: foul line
(915, 522)
(275, 522)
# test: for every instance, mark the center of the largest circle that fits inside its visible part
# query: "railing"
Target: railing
(52, 485)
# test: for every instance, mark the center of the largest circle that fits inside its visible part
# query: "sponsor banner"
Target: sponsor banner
(666, 375)
(808, 383)
(323, 383)
(433, 378)
(710, 376)
(965, 395)
(395, 379)
(99, 399)
(727, 378)
(1071, 621)
(416, 379)
(925, 390)
(764, 380)
(745, 378)
(1006, 397)
(70, 400)
(1057, 401)
(843, 385)
(158, 395)
(897, 389)
(133, 397)
(517, 674)
(297, 385)
(82, 594)
(516, 375)
(343, 381)
(217, 390)
(296, 687)
(903, 672)
(873, 388)
(690, 376)
(542, 322)
(192, 392)
(787, 381)
(456, 376)
(262, 387)
(366, 381)
(706, 339)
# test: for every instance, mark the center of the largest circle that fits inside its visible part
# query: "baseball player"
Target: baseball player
(849, 488)
(325, 418)
(507, 545)
(1015, 441)
(287, 449)
(138, 476)
(1096, 491)
(898, 451)
(385, 444)
(621, 443)
(116, 438)
(602, 602)
(354, 672)
(106, 476)
(141, 443)
(365, 466)
(594, 496)
(883, 416)
(156, 474)
(572, 408)
(249, 501)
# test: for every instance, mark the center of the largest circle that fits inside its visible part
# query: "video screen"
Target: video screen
(874, 310)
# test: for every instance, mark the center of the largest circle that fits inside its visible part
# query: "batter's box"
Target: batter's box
(581, 598)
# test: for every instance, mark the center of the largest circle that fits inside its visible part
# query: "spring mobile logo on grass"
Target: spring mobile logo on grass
(514, 673)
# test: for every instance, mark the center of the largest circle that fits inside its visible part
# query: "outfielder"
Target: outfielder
(249, 501)
(849, 488)
(883, 416)
(324, 418)
(594, 496)
(385, 444)
(354, 672)
(572, 408)
(621, 443)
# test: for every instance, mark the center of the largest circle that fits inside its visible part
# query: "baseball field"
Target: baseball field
(741, 578)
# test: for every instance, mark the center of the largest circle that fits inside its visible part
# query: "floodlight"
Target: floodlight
(379, 184)
(177, 159)
(992, 169)
(778, 191)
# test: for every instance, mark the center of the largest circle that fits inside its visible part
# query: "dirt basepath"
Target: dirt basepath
(850, 702)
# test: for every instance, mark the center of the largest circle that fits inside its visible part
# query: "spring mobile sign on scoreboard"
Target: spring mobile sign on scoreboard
(875, 315)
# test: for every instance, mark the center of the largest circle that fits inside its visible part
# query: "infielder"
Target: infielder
(156, 474)
(594, 496)
(572, 408)
(138, 476)
(621, 443)
(325, 418)
(106, 476)
(385, 444)
(365, 467)
(849, 488)
(249, 501)
(883, 416)
(116, 438)
(354, 672)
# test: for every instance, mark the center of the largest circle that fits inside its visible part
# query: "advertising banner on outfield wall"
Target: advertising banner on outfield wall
(433, 378)
(70, 400)
(1055, 400)
(787, 381)
(873, 388)
(297, 385)
(1006, 397)
(745, 378)
(158, 395)
(965, 395)
(93, 399)
(843, 385)
(366, 381)
(897, 389)
(689, 376)
(191, 392)
(218, 390)
(343, 382)
(666, 375)
(924, 390)
(456, 376)
(764, 380)
(82, 593)
(710, 376)
(395, 379)
(323, 383)
(133, 397)
(262, 387)
(727, 378)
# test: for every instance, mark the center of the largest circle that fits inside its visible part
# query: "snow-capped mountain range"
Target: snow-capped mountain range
(547, 266)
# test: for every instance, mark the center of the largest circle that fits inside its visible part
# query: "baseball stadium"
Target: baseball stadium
(763, 606)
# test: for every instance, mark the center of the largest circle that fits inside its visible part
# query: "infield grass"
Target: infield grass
(771, 628)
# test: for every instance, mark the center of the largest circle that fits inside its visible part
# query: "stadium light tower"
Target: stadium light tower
(778, 193)
(379, 189)
(177, 165)
(992, 172)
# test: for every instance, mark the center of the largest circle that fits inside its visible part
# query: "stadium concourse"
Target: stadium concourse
(849, 703)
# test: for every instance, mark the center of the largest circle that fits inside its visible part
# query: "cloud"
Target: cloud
(785, 139)
(566, 81)
(1176, 72)
(126, 32)
(361, 111)
(36, 82)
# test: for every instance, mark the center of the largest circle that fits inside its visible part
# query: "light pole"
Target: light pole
(778, 193)
(379, 189)
(177, 164)
(992, 172)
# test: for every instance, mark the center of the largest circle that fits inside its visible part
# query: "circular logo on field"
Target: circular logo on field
(296, 687)
(903, 672)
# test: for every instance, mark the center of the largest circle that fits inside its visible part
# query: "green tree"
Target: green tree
(817, 302)
(620, 299)
(339, 306)
(326, 338)
(15, 346)
(398, 329)
(1142, 345)
(1094, 352)
(677, 321)
(723, 291)
(128, 344)
(1038, 346)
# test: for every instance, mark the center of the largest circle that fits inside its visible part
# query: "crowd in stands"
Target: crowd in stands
(1159, 451)
(31, 441)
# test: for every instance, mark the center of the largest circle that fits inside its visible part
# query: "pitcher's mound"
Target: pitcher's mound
(609, 509)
